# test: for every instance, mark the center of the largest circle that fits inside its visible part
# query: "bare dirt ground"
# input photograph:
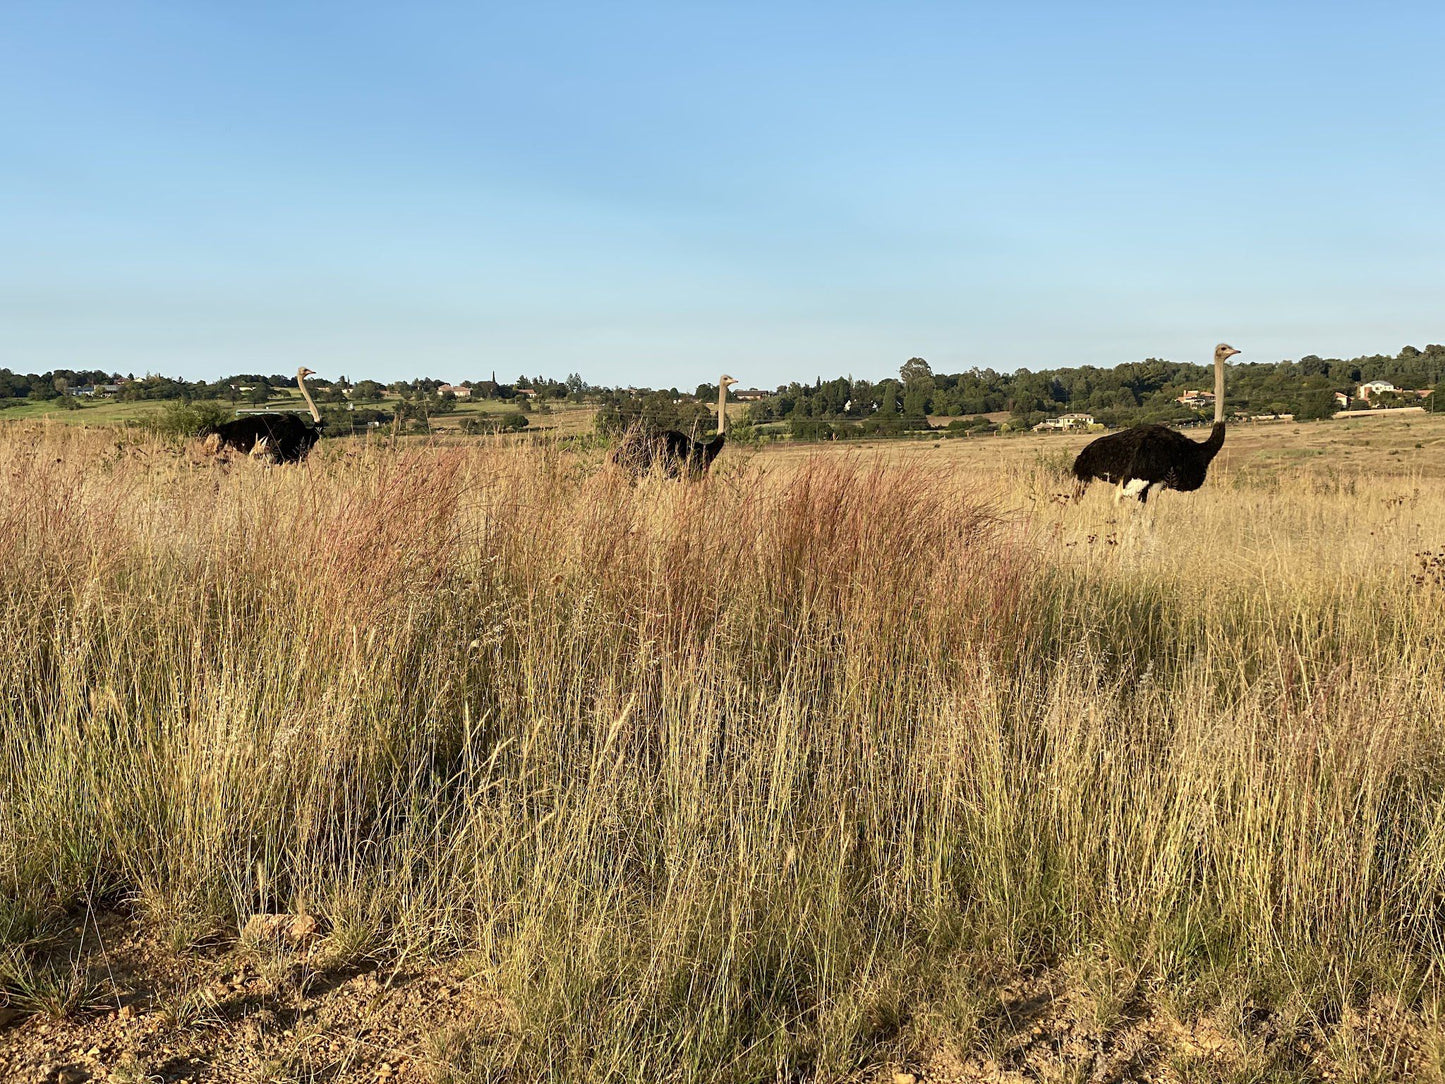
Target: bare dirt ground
(243, 1012)
(277, 1011)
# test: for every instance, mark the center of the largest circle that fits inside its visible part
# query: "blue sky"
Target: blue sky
(653, 193)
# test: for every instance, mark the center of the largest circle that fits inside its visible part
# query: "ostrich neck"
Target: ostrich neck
(1219, 392)
(315, 414)
(1215, 442)
(722, 408)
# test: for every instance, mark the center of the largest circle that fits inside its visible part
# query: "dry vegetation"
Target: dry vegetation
(832, 766)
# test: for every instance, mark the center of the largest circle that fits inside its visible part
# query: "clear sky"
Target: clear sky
(655, 192)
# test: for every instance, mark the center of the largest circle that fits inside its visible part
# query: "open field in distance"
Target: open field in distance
(850, 760)
(562, 419)
(1388, 443)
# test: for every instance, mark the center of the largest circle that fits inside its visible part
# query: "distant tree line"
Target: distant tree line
(1128, 394)
(259, 387)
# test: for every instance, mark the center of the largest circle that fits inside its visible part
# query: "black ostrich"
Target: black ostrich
(1155, 455)
(676, 454)
(282, 438)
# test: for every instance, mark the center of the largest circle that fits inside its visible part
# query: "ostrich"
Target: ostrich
(284, 438)
(1155, 455)
(676, 454)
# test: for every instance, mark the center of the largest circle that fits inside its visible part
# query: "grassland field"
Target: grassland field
(851, 762)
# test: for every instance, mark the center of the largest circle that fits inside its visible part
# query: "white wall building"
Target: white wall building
(1067, 421)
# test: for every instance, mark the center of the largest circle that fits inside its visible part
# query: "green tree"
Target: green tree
(915, 370)
(918, 387)
(888, 405)
(1316, 404)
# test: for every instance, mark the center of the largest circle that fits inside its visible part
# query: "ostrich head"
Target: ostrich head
(1223, 352)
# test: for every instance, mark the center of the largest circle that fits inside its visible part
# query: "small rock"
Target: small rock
(904, 1078)
(66, 1074)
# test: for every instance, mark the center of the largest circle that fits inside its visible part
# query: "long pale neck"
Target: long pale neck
(722, 408)
(1219, 391)
(315, 414)
(1215, 442)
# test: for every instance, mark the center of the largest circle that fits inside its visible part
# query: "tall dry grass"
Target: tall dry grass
(729, 780)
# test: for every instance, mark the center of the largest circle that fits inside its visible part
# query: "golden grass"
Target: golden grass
(760, 776)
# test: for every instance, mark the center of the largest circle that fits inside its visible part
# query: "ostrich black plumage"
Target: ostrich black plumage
(676, 454)
(1154, 455)
(284, 438)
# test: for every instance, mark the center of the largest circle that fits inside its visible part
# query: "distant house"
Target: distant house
(1066, 421)
(750, 395)
(1342, 399)
(1196, 400)
(1376, 387)
(460, 391)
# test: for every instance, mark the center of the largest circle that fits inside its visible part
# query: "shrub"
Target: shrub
(494, 423)
(179, 418)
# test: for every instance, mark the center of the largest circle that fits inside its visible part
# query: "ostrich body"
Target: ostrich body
(676, 454)
(1155, 455)
(284, 438)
